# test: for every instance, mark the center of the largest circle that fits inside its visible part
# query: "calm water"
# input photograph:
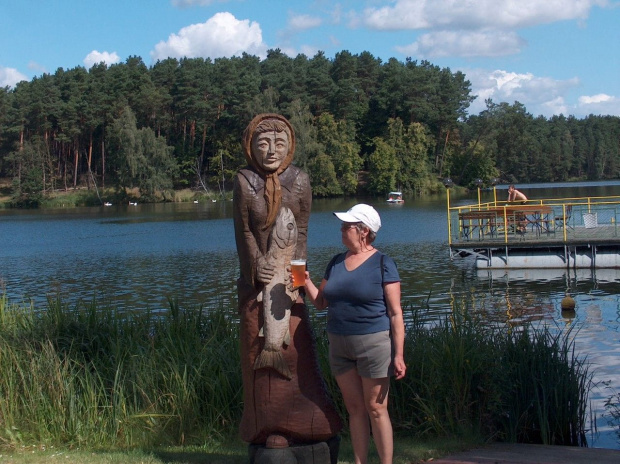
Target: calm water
(137, 256)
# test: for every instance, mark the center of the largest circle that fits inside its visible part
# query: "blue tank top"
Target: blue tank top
(356, 304)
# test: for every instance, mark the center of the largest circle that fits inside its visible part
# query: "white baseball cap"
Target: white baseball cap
(365, 214)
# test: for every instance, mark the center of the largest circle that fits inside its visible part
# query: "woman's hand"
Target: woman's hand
(392, 298)
(289, 281)
(400, 369)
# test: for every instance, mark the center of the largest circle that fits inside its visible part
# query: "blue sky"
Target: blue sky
(554, 56)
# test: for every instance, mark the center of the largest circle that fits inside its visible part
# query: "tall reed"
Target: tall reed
(92, 376)
(88, 375)
(501, 383)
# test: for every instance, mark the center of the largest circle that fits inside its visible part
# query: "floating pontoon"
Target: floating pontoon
(538, 234)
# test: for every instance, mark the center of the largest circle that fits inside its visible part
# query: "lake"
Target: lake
(135, 257)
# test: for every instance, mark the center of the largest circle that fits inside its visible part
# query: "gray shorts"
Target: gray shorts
(370, 354)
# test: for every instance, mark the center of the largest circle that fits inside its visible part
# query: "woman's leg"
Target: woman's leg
(376, 401)
(350, 384)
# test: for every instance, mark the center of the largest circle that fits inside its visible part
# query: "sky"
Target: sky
(553, 56)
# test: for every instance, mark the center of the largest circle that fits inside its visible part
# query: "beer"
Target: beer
(298, 269)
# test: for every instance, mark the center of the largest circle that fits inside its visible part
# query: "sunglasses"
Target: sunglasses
(349, 225)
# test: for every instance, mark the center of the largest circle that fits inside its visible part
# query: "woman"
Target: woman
(361, 289)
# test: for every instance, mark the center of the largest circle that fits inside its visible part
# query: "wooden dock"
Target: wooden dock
(577, 232)
(519, 453)
(601, 235)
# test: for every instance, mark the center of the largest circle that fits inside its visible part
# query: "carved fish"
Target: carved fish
(276, 297)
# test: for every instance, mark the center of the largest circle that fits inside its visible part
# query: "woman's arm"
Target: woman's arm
(395, 312)
(315, 294)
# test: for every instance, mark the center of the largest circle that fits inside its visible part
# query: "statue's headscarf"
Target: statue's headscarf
(269, 122)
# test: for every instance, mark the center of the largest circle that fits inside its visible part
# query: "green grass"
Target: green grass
(71, 199)
(407, 450)
(87, 377)
(84, 197)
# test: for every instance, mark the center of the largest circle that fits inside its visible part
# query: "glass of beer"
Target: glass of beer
(298, 269)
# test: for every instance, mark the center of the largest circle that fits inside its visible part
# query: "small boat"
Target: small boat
(395, 197)
(107, 203)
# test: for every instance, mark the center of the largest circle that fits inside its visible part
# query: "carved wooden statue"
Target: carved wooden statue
(285, 398)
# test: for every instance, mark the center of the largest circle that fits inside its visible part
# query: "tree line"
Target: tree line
(360, 123)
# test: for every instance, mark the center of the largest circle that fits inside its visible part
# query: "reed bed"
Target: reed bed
(517, 384)
(89, 376)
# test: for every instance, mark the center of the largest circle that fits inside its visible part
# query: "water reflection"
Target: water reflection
(535, 295)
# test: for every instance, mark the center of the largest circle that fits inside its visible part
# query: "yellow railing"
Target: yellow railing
(561, 212)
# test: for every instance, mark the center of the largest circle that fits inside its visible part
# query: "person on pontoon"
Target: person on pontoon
(516, 195)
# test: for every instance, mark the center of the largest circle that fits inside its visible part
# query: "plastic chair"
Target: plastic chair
(564, 220)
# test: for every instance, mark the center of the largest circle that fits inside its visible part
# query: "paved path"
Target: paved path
(510, 453)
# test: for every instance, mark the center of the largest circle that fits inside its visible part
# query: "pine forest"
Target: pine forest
(363, 126)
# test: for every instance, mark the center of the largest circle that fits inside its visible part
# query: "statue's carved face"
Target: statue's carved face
(270, 149)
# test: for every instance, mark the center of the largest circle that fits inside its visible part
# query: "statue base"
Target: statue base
(318, 453)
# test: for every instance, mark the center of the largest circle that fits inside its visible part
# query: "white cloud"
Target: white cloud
(222, 35)
(299, 23)
(336, 13)
(303, 22)
(10, 76)
(308, 50)
(556, 106)
(460, 14)
(36, 67)
(540, 95)
(291, 52)
(190, 3)
(595, 99)
(96, 57)
(468, 28)
(599, 104)
(487, 43)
